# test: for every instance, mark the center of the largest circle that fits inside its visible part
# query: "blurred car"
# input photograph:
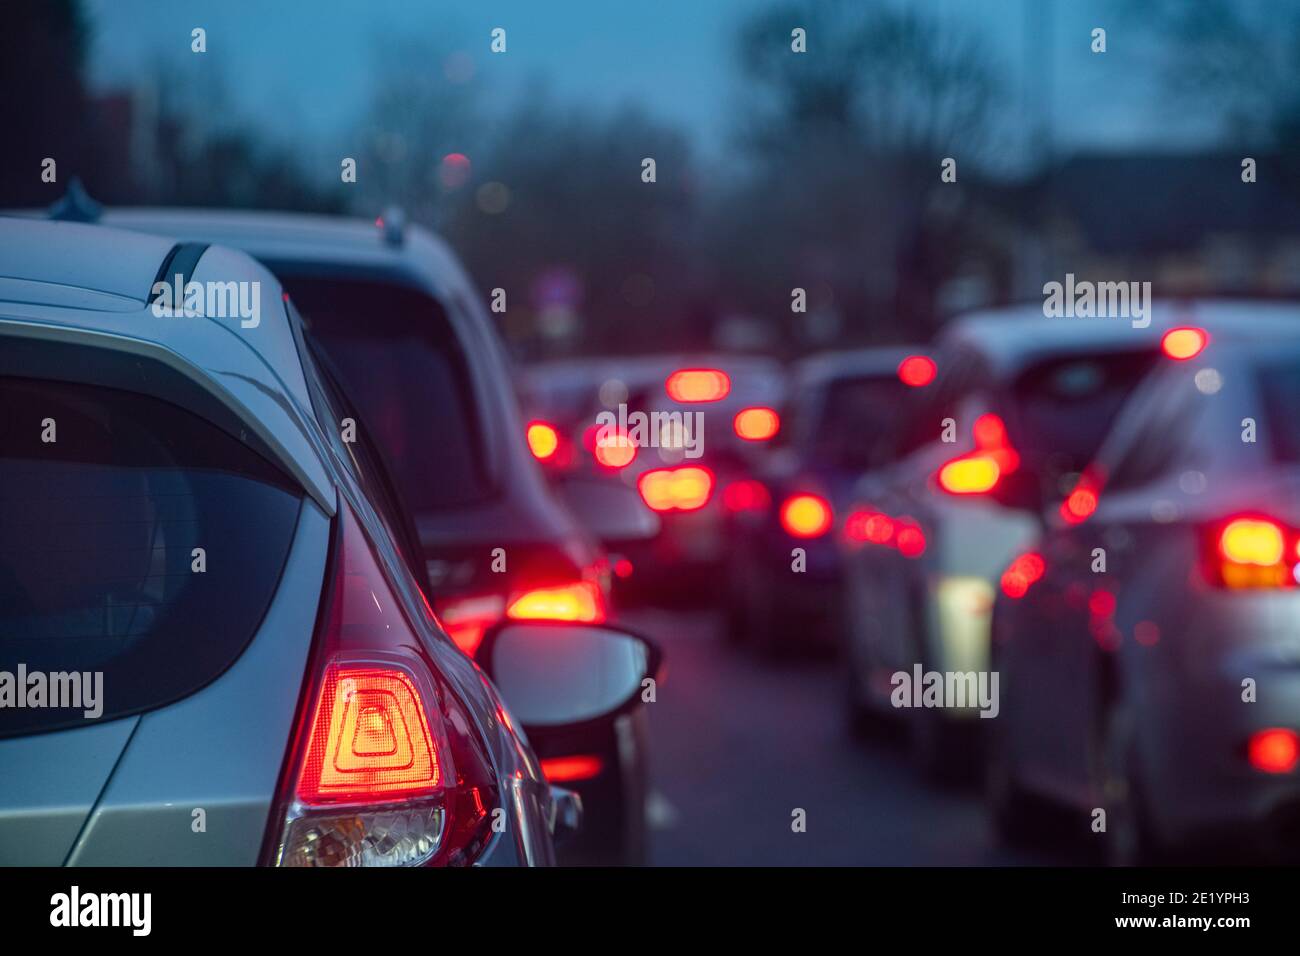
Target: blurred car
(839, 405)
(1025, 402)
(401, 327)
(204, 576)
(1149, 644)
(662, 428)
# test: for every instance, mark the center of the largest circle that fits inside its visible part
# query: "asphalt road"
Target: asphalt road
(740, 744)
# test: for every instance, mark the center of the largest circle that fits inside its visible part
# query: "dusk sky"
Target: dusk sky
(306, 69)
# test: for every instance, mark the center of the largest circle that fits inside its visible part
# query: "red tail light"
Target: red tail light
(747, 494)
(466, 619)
(979, 471)
(676, 489)
(543, 440)
(384, 769)
(1276, 750)
(1023, 573)
(909, 538)
(581, 601)
(698, 385)
(569, 769)
(805, 516)
(370, 738)
(614, 450)
(1184, 343)
(757, 424)
(1254, 552)
(870, 527)
(969, 475)
(916, 371)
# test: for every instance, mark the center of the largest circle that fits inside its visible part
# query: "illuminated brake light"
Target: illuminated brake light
(805, 516)
(569, 769)
(969, 475)
(676, 489)
(698, 385)
(869, 526)
(909, 538)
(1252, 552)
(385, 767)
(916, 371)
(1184, 343)
(747, 494)
(980, 470)
(615, 450)
(370, 738)
(1079, 506)
(1022, 574)
(1276, 750)
(581, 601)
(1248, 541)
(757, 424)
(543, 440)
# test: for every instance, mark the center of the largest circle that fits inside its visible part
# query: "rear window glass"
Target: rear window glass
(857, 414)
(1063, 408)
(402, 367)
(1280, 385)
(98, 531)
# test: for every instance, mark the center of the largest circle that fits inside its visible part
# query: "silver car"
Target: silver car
(1151, 662)
(213, 649)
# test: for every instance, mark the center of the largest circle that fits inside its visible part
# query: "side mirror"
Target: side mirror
(563, 675)
(611, 511)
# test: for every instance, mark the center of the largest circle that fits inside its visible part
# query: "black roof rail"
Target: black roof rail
(76, 205)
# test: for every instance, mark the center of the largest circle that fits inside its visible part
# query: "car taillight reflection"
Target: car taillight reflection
(676, 489)
(805, 516)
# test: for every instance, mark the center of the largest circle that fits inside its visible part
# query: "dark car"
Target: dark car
(1149, 642)
(402, 328)
(784, 580)
(666, 430)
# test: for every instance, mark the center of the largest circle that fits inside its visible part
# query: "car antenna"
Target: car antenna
(76, 204)
(393, 223)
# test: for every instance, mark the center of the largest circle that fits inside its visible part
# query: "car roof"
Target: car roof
(823, 367)
(315, 240)
(92, 285)
(1012, 338)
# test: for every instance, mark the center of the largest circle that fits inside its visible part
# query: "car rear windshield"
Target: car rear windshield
(1061, 409)
(403, 368)
(139, 545)
(1280, 385)
(857, 413)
